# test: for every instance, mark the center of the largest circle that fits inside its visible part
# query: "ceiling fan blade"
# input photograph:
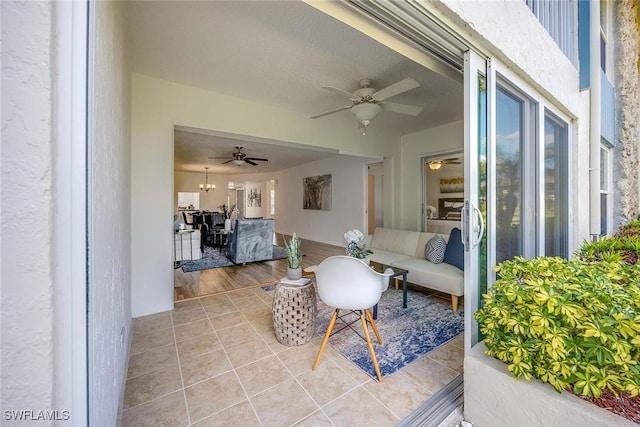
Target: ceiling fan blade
(250, 162)
(451, 159)
(256, 159)
(340, 92)
(412, 110)
(326, 113)
(219, 158)
(396, 89)
(228, 161)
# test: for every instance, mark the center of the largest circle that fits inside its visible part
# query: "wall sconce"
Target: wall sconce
(206, 186)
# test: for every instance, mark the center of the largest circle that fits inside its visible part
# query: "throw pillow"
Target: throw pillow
(434, 249)
(454, 253)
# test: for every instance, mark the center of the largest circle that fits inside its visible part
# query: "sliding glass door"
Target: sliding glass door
(474, 211)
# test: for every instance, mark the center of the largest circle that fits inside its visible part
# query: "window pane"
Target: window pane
(603, 214)
(509, 120)
(555, 188)
(604, 170)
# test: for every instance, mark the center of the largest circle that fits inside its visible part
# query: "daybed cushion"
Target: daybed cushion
(454, 254)
(386, 257)
(441, 277)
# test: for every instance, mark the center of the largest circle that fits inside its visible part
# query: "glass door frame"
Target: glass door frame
(472, 221)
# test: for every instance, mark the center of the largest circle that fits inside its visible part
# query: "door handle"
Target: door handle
(478, 229)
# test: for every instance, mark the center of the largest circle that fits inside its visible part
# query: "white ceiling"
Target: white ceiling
(278, 53)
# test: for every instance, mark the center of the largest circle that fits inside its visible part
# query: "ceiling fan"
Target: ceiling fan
(437, 164)
(367, 102)
(239, 158)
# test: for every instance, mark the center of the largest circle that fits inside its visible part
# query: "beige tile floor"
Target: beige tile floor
(215, 361)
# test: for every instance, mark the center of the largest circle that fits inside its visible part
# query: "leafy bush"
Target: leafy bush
(571, 323)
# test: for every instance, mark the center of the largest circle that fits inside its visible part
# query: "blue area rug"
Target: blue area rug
(211, 258)
(407, 333)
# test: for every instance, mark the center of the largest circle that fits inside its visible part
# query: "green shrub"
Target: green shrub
(570, 323)
(626, 249)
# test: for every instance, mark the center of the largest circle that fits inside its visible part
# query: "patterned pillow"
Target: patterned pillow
(434, 249)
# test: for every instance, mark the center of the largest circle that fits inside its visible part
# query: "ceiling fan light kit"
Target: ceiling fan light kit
(239, 158)
(437, 164)
(367, 102)
(366, 112)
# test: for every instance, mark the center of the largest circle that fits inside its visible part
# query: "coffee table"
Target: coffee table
(397, 272)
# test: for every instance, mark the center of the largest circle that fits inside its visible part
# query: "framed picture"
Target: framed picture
(452, 185)
(317, 192)
(254, 198)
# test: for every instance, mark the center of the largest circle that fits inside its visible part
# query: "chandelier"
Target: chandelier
(206, 186)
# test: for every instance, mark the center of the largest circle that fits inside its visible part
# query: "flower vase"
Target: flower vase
(227, 224)
(294, 273)
(350, 248)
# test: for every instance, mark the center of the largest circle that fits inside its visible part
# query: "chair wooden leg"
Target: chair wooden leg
(370, 344)
(454, 303)
(332, 323)
(373, 325)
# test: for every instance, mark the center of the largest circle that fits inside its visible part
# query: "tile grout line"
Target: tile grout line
(184, 392)
(233, 368)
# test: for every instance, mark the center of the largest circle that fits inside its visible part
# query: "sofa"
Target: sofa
(406, 249)
(251, 240)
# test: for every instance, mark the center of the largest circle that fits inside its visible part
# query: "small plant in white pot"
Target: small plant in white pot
(294, 257)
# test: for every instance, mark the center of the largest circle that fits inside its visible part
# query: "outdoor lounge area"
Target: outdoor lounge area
(225, 339)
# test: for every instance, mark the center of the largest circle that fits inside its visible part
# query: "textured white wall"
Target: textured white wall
(160, 105)
(109, 217)
(26, 269)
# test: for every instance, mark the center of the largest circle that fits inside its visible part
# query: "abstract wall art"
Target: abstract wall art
(317, 192)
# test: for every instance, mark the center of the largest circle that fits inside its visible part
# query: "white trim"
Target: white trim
(69, 216)
(473, 64)
(539, 180)
(491, 172)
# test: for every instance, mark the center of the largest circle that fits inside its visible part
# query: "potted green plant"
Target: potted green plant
(294, 257)
(574, 324)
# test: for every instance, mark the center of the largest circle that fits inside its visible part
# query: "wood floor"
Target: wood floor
(217, 280)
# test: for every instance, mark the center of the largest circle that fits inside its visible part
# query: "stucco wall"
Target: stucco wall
(506, 29)
(627, 154)
(26, 270)
(109, 213)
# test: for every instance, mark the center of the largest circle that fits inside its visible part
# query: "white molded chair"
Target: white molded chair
(347, 283)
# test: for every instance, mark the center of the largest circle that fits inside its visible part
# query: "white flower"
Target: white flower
(353, 236)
